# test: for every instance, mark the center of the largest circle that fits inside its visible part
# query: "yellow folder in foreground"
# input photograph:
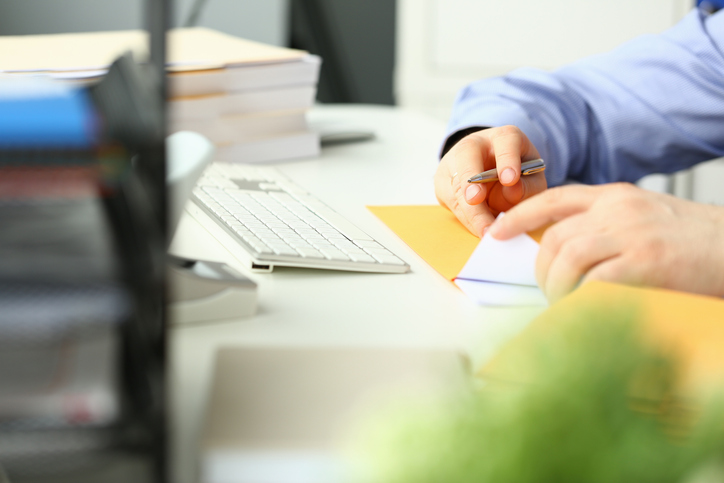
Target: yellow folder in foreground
(687, 326)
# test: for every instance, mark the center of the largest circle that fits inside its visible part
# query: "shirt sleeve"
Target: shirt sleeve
(653, 105)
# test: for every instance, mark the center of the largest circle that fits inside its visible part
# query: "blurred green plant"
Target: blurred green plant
(591, 404)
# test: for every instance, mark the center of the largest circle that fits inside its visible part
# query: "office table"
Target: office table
(319, 308)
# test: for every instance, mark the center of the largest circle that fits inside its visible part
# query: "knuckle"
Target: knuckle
(551, 237)
(479, 220)
(552, 196)
(508, 130)
(622, 190)
(576, 252)
(469, 142)
(608, 272)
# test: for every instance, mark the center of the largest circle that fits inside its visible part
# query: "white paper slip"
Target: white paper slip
(501, 294)
(509, 261)
(502, 273)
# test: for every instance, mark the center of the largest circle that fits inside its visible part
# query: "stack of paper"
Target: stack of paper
(250, 99)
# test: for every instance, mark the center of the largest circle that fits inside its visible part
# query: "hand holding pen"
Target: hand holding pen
(500, 155)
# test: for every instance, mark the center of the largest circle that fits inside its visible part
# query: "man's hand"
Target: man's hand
(477, 204)
(620, 233)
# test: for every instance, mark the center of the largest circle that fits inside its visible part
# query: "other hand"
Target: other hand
(621, 233)
(477, 204)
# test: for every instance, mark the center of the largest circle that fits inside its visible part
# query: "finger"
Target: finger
(620, 269)
(450, 194)
(465, 159)
(526, 187)
(476, 217)
(467, 200)
(573, 227)
(503, 198)
(470, 157)
(510, 146)
(496, 199)
(448, 176)
(475, 193)
(574, 259)
(549, 206)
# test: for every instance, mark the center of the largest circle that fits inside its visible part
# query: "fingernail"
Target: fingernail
(493, 229)
(471, 191)
(507, 176)
(485, 230)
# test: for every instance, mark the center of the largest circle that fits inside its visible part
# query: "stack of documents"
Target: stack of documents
(249, 99)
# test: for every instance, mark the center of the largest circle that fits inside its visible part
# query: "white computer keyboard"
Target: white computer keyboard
(266, 220)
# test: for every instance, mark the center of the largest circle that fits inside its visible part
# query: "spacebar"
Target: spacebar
(341, 223)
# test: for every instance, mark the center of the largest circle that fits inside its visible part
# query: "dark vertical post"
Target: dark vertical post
(158, 15)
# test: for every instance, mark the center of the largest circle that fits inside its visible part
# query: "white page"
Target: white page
(501, 294)
(509, 261)
(502, 273)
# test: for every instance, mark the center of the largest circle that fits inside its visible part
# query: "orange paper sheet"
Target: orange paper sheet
(434, 233)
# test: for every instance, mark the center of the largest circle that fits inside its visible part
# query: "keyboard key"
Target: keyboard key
(390, 260)
(264, 250)
(310, 253)
(361, 257)
(334, 254)
(322, 244)
(371, 244)
(289, 251)
(344, 244)
(379, 252)
(298, 244)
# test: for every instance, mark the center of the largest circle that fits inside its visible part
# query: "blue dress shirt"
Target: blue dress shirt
(653, 105)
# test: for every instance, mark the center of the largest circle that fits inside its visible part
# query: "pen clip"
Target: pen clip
(533, 170)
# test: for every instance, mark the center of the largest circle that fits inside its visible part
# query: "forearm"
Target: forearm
(654, 105)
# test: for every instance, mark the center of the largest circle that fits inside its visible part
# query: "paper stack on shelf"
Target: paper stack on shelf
(248, 98)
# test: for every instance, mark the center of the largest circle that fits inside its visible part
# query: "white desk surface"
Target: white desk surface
(328, 308)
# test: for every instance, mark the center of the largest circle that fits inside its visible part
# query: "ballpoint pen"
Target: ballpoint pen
(526, 167)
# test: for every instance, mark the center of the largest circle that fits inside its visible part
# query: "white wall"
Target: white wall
(444, 44)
